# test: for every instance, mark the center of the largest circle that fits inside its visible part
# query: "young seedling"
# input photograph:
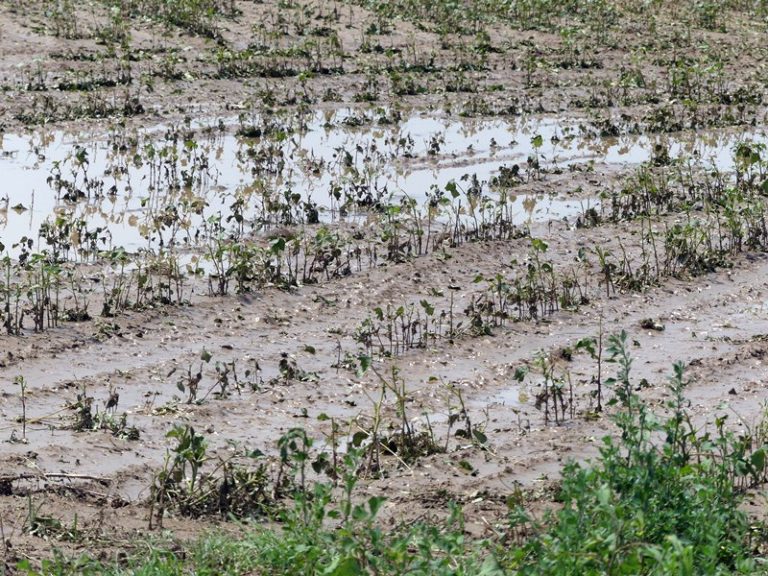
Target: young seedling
(21, 382)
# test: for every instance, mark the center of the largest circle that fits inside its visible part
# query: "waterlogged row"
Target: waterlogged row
(717, 215)
(162, 188)
(725, 214)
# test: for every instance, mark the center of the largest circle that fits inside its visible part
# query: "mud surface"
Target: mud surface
(387, 117)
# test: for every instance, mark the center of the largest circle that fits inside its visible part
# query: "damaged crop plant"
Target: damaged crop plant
(419, 287)
(661, 498)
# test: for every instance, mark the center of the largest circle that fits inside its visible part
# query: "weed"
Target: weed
(666, 492)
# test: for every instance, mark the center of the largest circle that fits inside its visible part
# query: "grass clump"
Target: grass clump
(662, 499)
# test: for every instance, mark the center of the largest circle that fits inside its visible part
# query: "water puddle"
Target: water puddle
(760, 309)
(507, 397)
(163, 187)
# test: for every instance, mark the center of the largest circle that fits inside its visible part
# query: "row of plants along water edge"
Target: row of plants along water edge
(49, 280)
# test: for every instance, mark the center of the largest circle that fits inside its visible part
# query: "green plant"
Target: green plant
(22, 383)
(405, 442)
(594, 347)
(180, 474)
(661, 499)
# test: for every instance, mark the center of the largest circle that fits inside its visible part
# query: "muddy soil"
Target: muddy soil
(296, 351)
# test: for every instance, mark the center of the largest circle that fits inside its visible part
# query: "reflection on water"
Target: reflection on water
(147, 190)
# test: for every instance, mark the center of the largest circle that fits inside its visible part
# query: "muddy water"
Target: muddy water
(116, 190)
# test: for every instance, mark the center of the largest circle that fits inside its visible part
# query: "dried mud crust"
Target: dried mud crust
(716, 323)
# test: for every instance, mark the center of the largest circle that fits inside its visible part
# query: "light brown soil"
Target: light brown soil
(715, 323)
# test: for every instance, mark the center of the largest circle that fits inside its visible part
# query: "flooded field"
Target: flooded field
(112, 190)
(267, 257)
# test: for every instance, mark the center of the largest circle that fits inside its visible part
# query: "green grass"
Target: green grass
(663, 499)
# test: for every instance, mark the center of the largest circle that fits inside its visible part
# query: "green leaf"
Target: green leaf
(359, 513)
(539, 245)
(758, 459)
(589, 345)
(479, 436)
(343, 567)
(277, 245)
(374, 504)
(603, 494)
(365, 363)
(358, 438)
(320, 463)
(205, 356)
(490, 567)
